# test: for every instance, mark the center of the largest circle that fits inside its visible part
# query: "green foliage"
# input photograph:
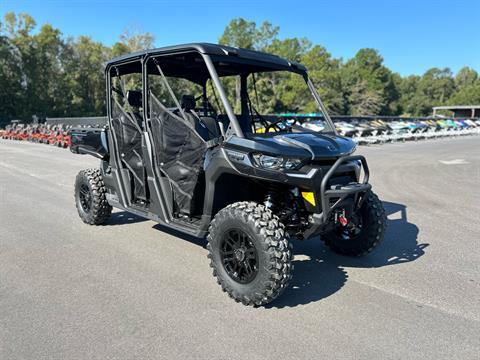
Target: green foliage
(135, 40)
(366, 75)
(46, 74)
(10, 79)
(434, 88)
(245, 34)
(326, 74)
(467, 95)
(466, 77)
(363, 99)
(85, 67)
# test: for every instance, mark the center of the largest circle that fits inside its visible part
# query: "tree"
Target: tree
(50, 93)
(44, 73)
(363, 100)
(291, 49)
(407, 88)
(325, 73)
(119, 49)
(41, 57)
(16, 49)
(467, 95)
(434, 88)
(465, 77)
(245, 34)
(85, 70)
(366, 72)
(20, 25)
(134, 39)
(10, 80)
(280, 90)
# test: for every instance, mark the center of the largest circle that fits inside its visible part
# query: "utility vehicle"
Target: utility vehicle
(189, 145)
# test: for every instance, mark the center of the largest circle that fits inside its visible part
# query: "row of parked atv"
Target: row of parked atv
(56, 135)
(379, 131)
(364, 132)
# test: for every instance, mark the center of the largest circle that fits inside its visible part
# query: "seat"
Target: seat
(205, 126)
(211, 126)
(188, 103)
(134, 98)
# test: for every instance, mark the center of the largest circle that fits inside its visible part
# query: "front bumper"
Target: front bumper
(333, 197)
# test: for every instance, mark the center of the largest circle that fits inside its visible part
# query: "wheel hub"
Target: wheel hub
(239, 256)
(351, 230)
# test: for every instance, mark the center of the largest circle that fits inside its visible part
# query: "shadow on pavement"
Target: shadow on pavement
(194, 240)
(320, 273)
(123, 218)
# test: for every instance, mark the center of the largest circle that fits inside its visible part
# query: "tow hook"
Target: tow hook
(340, 218)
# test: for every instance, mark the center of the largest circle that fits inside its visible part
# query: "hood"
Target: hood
(308, 145)
(320, 146)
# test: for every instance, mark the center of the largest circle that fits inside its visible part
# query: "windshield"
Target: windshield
(262, 96)
(274, 101)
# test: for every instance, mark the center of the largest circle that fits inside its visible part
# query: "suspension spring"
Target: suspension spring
(272, 196)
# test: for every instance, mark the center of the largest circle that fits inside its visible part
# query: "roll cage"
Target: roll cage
(200, 62)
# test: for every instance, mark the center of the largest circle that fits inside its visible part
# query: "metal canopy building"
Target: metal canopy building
(460, 111)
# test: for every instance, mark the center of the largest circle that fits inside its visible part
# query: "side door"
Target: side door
(177, 148)
(126, 121)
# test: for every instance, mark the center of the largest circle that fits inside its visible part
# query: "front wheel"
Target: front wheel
(249, 253)
(367, 234)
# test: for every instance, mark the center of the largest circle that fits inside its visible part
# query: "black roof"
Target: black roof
(218, 51)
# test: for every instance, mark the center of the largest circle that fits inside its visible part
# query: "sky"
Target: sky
(412, 36)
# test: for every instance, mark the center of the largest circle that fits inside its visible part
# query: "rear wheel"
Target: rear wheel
(367, 233)
(249, 253)
(90, 199)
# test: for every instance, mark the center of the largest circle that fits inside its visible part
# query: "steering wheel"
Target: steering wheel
(275, 125)
(259, 118)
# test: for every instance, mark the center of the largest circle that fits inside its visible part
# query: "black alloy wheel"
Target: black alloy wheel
(239, 256)
(85, 198)
(90, 197)
(250, 253)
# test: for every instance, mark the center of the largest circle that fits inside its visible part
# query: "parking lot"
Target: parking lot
(133, 290)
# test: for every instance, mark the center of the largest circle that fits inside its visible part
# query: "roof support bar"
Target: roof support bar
(320, 103)
(223, 96)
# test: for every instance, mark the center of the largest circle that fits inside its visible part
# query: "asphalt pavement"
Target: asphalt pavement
(133, 290)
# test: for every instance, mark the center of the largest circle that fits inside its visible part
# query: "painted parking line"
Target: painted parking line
(454, 162)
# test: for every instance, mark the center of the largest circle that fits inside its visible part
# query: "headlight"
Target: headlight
(275, 163)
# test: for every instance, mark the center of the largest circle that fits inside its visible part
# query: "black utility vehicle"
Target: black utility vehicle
(189, 144)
